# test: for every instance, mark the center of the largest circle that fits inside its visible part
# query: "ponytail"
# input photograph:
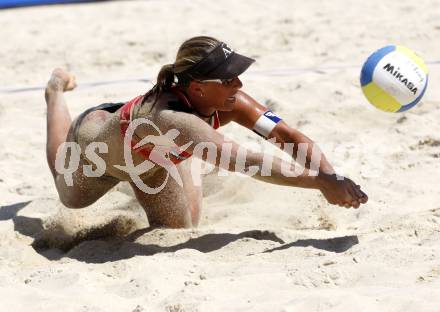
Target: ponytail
(165, 80)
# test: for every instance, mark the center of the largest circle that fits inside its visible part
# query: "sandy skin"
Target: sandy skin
(176, 205)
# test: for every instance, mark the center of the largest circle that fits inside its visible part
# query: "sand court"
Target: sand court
(258, 247)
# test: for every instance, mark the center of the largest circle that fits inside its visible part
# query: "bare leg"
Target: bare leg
(174, 206)
(85, 190)
(58, 117)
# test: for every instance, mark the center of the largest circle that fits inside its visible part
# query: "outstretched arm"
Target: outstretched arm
(255, 116)
(211, 146)
(248, 112)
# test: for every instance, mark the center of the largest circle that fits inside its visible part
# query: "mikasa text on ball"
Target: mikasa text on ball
(394, 78)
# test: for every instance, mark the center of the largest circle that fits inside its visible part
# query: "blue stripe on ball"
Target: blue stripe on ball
(408, 106)
(371, 62)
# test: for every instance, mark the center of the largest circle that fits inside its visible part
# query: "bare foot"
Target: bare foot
(61, 80)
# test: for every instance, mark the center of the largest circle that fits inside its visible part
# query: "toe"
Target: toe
(71, 84)
(62, 80)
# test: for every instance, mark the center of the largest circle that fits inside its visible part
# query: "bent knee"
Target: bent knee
(74, 203)
(80, 195)
(71, 199)
(74, 200)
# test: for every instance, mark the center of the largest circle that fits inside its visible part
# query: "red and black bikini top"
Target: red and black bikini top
(174, 154)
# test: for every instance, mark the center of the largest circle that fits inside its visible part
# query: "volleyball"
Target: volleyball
(394, 78)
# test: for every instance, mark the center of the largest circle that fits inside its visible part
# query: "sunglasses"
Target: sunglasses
(225, 82)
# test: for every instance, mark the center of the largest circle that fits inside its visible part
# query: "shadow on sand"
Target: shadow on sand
(336, 244)
(98, 245)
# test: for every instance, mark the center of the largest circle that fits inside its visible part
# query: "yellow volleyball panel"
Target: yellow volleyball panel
(414, 57)
(380, 98)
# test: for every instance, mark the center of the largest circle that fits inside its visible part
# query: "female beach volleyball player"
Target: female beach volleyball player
(195, 95)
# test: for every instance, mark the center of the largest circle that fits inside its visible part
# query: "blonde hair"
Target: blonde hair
(190, 52)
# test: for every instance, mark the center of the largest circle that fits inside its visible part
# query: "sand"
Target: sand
(259, 247)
